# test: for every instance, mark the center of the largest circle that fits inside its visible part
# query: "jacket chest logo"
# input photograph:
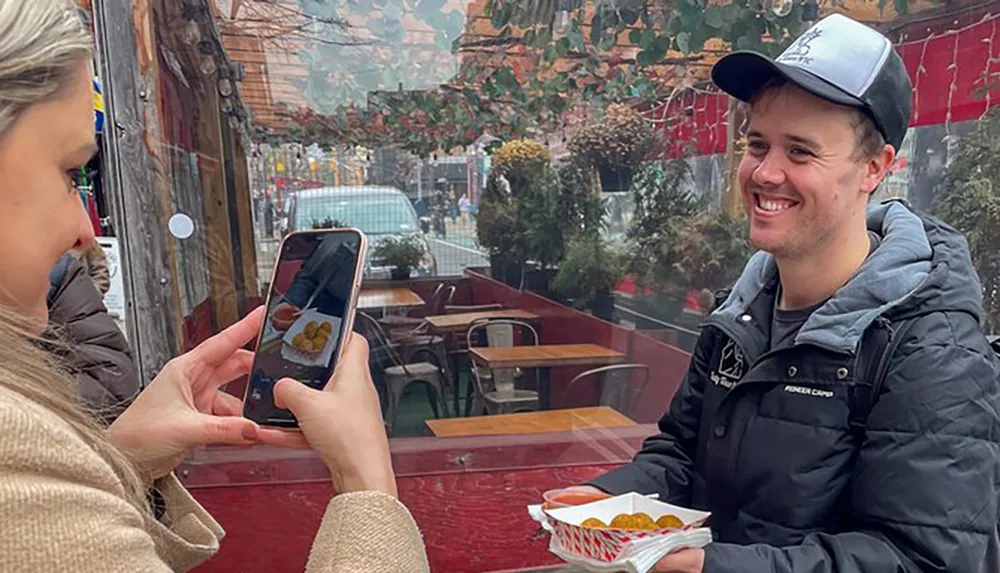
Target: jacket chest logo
(808, 391)
(732, 366)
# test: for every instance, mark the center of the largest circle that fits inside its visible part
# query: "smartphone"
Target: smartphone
(309, 314)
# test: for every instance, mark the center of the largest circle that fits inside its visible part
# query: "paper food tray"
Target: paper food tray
(608, 545)
(642, 556)
(288, 352)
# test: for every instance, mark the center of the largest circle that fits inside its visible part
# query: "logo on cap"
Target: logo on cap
(798, 52)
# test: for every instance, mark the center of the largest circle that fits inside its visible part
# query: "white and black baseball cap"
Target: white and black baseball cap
(837, 59)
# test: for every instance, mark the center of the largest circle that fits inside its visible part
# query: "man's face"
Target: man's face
(803, 184)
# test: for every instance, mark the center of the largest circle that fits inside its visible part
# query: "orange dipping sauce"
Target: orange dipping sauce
(283, 318)
(556, 498)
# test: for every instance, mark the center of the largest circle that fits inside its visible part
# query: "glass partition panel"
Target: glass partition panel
(550, 191)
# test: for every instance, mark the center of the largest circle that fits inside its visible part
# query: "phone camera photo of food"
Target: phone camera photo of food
(305, 319)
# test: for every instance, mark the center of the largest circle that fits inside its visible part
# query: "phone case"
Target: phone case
(347, 325)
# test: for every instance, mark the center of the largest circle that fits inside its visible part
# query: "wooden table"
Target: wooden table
(389, 298)
(454, 326)
(460, 322)
(531, 422)
(544, 357)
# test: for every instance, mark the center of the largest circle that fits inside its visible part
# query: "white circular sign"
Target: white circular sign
(181, 226)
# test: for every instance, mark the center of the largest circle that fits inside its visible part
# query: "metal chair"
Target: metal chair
(460, 308)
(406, 325)
(411, 333)
(615, 385)
(495, 389)
(401, 374)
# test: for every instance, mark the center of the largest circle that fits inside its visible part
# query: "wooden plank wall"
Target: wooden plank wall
(136, 181)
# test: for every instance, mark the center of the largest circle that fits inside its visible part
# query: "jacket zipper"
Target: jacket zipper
(883, 360)
(731, 462)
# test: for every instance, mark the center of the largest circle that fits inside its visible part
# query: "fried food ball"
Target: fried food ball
(621, 521)
(635, 521)
(326, 327)
(669, 522)
(310, 329)
(298, 339)
(593, 523)
(643, 521)
(319, 343)
(307, 345)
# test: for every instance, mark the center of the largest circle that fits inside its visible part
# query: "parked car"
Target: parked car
(379, 212)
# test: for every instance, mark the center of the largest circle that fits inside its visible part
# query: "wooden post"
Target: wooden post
(240, 217)
(241, 168)
(136, 179)
(732, 200)
(221, 264)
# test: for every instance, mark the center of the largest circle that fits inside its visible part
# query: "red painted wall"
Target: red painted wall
(468, 495)
(271, 527)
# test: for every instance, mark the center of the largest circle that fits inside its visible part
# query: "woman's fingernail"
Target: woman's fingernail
(250, 433)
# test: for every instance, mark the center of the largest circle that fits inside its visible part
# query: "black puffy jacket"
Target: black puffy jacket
(762, 439)
(98, 354)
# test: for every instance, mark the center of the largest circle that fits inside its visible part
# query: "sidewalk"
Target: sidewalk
(459, 235)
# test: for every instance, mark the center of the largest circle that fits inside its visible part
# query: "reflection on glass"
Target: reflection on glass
(305, 317)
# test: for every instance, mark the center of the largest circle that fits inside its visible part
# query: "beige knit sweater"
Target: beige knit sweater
(61, 509)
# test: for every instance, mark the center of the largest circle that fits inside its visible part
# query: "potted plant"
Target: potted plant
(555, 208)
(614, 144)
(587, 276)
(541, 229)
(707, 253)
(969, 200)
(663, 205)
(401, 253)
(518, 161)
(497, 231)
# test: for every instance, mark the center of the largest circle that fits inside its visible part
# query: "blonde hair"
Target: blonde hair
(43, 43)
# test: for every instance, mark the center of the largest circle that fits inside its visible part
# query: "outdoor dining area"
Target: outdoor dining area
(474, 357)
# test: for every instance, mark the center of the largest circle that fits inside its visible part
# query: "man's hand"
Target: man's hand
(683, 561)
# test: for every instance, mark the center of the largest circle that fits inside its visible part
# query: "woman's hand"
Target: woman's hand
(342, 423)
(183, 407)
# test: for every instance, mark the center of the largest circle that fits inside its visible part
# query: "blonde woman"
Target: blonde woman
(75, 497)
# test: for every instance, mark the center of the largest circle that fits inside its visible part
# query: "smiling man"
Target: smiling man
(840, 413)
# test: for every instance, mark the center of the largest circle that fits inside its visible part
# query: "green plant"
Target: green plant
(496, 222)
(969, 200)
(554, 206)
(555, 68)
(708, 252)
(664, 205)
(581, 208)
(619, 138)
(403, 253)
(592, 267)
(540, 222)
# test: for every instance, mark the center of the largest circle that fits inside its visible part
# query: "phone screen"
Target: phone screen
(306, 320)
